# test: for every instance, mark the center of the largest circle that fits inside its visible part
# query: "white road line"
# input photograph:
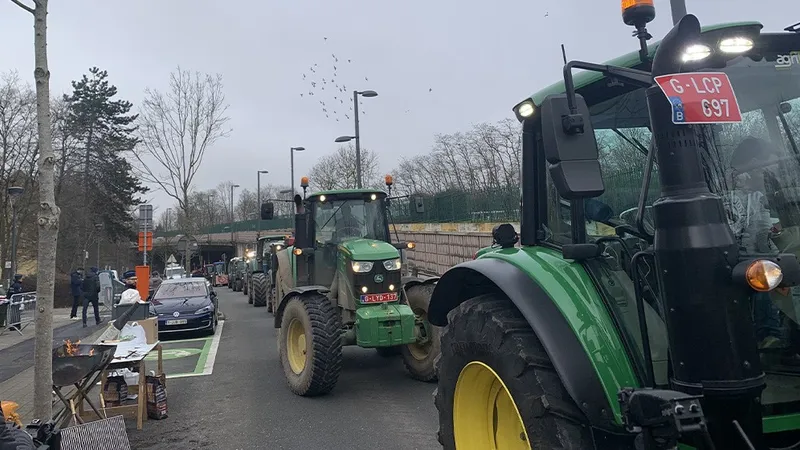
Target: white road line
(212, 353)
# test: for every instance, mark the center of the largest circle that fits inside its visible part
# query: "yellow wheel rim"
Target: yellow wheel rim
(296, 346)
(485, 416)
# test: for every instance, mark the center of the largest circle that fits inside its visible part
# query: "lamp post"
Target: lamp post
(232, 241)
(258, 197)
(99, 227)
(291, 164)
(13, 193)
(357, 136)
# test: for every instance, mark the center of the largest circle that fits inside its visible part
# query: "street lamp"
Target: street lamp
(98, 227)
(232, 187)
(291, 164)
(13, 193)
(367, 94)
(258, 196)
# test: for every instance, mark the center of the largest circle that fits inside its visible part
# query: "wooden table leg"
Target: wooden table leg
(142, 409)
(160, 366)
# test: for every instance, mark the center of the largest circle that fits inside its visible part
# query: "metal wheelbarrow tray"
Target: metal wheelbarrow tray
(79, 365)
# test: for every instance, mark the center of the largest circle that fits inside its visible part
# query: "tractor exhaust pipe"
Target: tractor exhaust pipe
(711, 335)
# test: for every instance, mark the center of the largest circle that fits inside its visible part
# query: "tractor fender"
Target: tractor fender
(481, 276)
(299, 290)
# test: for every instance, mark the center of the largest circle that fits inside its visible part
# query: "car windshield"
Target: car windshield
(339, 220)
(169, 291)
(173, 272)
(754, 166)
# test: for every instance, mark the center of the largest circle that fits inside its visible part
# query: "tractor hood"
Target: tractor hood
(369, 250)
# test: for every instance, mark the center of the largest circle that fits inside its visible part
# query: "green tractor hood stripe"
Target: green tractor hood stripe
(368, 250)
(573, 292)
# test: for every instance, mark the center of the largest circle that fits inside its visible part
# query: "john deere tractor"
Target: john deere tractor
(341, 283)
(258, 275)
(649, 299)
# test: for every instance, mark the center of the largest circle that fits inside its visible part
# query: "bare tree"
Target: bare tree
(177, 128)
(47, 220)
(338, 170)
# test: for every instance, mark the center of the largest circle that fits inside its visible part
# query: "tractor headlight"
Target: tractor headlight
(362, 266)
(392, 264)
(737, 44)
(763, 275)
(696, 52)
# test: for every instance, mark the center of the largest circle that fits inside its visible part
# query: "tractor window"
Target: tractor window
(338, 220)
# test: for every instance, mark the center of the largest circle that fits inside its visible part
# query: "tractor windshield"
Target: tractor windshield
(338, 220)
(754, 166)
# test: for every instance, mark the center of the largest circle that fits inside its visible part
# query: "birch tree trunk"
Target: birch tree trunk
(47, 220)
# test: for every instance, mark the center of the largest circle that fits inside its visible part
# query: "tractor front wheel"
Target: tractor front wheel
(497, 387)
(244, 287)
(420, 356)
(260, 287)
(310, 345)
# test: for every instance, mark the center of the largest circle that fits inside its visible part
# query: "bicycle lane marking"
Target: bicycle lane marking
(205, 363)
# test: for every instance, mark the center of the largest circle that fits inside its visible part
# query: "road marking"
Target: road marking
(173, 353)
(205, 364)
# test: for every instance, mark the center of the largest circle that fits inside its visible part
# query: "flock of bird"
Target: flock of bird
(326, 85)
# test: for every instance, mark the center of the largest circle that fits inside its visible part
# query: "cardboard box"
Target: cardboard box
(150, 328)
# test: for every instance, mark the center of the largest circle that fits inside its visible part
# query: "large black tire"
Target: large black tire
(250, 290)
(322, 330)
(420, 359)
(489, 329)
(244, 287)
(260, 286)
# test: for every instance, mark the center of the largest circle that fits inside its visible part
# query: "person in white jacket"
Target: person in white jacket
(750, 220)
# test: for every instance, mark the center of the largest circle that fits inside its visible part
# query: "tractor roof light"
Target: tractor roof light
(696, 52)
(304, 182)
(638, 12)
(373, 197)
(736, 44)
(763, 275)
(526, 109)
(388, 180)
(322, 198)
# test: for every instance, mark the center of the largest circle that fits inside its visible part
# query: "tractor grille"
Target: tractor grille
(376, 287)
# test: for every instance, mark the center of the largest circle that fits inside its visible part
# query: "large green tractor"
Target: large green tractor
(258, 270)
(649, 300)
(341, 283)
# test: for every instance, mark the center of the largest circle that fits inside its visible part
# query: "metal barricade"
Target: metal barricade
(21, 311)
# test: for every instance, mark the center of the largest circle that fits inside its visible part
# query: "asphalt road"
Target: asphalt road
(245, 403)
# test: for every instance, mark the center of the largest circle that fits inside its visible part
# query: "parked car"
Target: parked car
(185, 304)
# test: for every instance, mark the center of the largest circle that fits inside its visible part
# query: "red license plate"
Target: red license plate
(379, 298)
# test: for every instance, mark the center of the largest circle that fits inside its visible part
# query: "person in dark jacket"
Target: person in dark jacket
(76, 279)
(91, 294)
(16, 286)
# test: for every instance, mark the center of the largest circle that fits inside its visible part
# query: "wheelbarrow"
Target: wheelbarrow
(81, 366)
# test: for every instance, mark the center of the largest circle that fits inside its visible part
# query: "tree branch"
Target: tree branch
(23, 6)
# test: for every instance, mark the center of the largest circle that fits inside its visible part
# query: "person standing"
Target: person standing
(76, 279)
(91, 294)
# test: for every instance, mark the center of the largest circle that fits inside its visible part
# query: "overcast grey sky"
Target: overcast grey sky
(438, 66)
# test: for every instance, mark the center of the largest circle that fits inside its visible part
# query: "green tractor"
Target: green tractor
(236, 272)
(258, 278)
(649, 300)
(341, 283)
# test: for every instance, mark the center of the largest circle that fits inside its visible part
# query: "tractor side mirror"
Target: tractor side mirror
(570, 148)
(267, 211)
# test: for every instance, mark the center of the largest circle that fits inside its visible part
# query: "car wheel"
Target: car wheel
(214, 323)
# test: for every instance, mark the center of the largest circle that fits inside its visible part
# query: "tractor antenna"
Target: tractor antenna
(564, 53)
(793, 28)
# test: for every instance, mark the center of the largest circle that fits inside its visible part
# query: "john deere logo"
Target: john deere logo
(379, 278)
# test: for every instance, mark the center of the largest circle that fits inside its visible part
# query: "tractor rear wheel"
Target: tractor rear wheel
(497, 387)
(420, 356)
(310, 344)
(260, 289)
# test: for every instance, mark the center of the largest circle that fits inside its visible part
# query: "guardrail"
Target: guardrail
(20, 311)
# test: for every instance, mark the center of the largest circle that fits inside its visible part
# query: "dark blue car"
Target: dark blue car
(185, 305)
